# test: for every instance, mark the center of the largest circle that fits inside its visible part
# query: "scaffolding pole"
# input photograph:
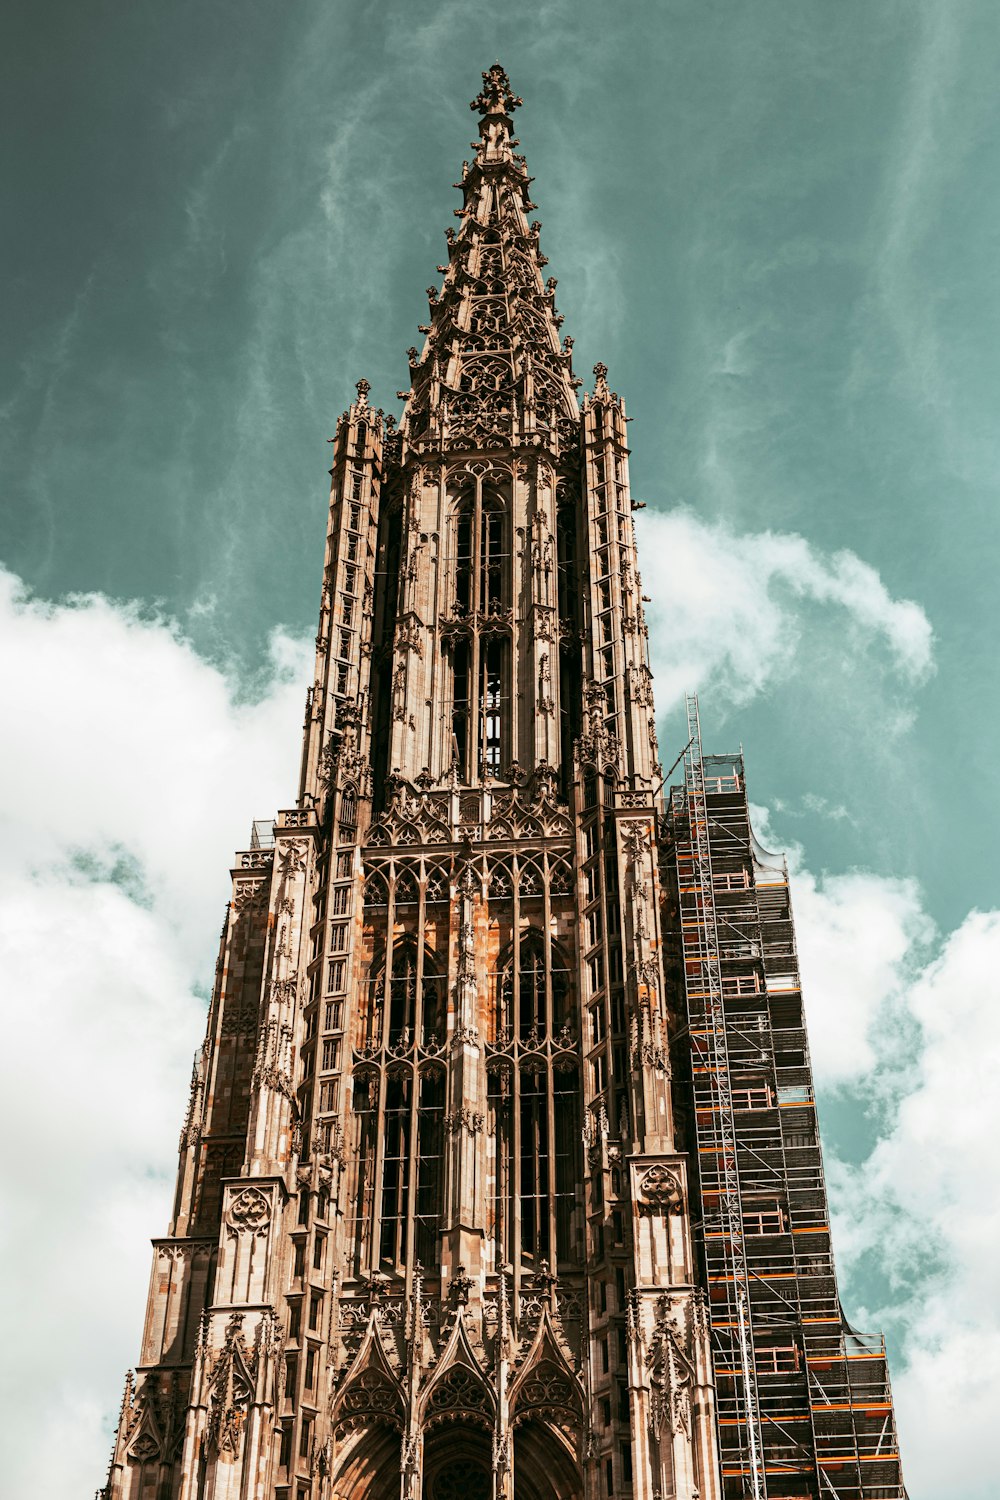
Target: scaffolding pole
(718, 1061)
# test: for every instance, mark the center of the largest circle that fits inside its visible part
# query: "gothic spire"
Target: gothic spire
(492, 369)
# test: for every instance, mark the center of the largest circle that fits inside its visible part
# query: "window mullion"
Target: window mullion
(474, 712)
(550, 1125)
(375, 1239)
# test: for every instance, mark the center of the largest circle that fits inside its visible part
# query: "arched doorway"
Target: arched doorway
(545, 1467)
(369, 1464)
(458, 1463)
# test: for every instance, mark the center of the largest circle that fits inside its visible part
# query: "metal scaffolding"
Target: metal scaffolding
(804, 1404)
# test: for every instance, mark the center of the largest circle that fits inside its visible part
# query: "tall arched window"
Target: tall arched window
(491, 698)
(534, 1108)
(523, 1008)
(415, 992)
(534, 1122)
(480, 661)
(430, 1166)
(400, 1114)
(397, 1115)
(464, 599)
(480, 575)
(491, 588)
(461, 653)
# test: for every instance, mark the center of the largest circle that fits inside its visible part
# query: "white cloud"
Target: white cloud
(905, 1027)
(925, 1209)
(861, 940)
(99, 1029)
(857, 937)
(131, 770)
(124, 739)
(728, 611)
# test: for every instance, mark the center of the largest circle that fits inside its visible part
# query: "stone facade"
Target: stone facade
(432, 1234)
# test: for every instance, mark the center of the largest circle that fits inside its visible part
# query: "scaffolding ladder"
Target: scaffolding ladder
(718, 1070)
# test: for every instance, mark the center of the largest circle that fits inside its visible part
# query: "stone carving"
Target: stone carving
(660, 1187)
(463, 1119)
(459, 1393)
(248, 893)
(671, 1373)
(635, 839)
(292, 858)
(231, 1392)
(250, 1210)
(144, 1448)
(369, 1394)
(548, 1392)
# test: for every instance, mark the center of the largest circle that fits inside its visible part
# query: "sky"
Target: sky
(777, 224)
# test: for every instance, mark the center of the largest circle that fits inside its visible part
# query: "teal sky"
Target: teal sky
(220, 216)
(779, 225)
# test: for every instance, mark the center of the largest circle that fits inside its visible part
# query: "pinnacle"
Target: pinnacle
(493, 364)
(496, 96)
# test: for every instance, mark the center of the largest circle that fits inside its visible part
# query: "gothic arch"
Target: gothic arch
(367, 1465)
(520, 1000)
(376, 889)
(458, 1461)
(458, 1390)
(533, 1106)
(545, 1464)
(546, 1387)
(370, 1395)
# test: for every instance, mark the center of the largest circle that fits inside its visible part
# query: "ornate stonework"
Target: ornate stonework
(440, 1229)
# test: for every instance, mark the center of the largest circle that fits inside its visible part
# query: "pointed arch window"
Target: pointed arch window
(463, 560)
(491, 557)
(534, 1107)
(523, 1010)
(480, 554)
(416, 994)
(430, 1166)
(480, 656)
(534, 1164)
(491, 697)
(397, 1116)
(400, 1114)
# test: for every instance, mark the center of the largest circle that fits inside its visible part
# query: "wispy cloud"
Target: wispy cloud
(728, 610)
(913, 337)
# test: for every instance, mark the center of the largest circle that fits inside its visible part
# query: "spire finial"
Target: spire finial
(497, 97)
(601, 376)
(363, 387)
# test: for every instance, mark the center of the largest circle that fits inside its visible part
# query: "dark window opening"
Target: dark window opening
(365, 1111)
(491, 698)
(395, 1171)
(460, 704)
(389, 572)
(569, 1167)
(430, 1174)
(463, 563)
(491, 561)
(381, 722)
(534, 1167)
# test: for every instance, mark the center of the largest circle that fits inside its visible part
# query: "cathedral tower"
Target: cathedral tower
(493, 1141)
